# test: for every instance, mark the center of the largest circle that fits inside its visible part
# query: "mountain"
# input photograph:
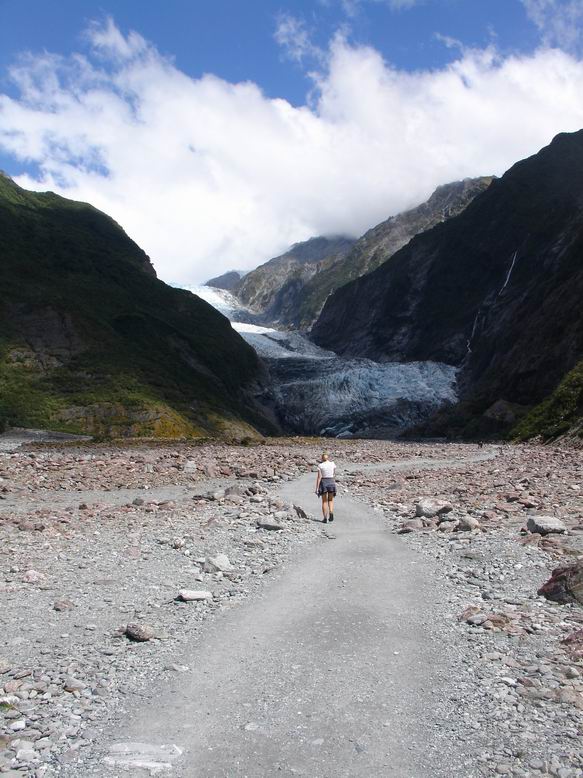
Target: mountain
(381, 242)
(292, 289)
(228, 281)
(91, 341)
(495, 291)
(275, 289)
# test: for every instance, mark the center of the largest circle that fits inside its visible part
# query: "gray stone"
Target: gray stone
(73, 684)
(301, 512)
(140, 633)
(467, 524)
(218, 564)
(545, 525)
(269, 525)
(430, 507)
(63, 605)
(193, 595)
(143, 756)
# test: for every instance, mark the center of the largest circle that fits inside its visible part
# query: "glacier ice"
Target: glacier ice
(314, 391)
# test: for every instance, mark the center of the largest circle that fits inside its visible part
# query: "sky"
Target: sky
(219, 132)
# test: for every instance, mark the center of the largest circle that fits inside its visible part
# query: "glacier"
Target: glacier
(313, 391)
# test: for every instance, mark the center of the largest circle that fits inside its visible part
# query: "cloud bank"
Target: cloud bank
(208, 175)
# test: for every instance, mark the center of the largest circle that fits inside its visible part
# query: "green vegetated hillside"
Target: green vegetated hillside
(91, 341)
(560, 415)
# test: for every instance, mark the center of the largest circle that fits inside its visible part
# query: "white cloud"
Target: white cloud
(208, 175)
(293, 36)
(559, 21)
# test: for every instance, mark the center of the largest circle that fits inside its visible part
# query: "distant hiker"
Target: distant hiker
(326, 487)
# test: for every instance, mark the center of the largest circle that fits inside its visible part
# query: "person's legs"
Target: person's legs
(325, 506)
(331, 506)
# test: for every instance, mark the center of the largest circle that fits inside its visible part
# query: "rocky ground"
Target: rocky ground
(112, 558)
(524, 651)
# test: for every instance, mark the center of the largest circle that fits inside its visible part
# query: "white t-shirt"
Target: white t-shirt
(327, 469)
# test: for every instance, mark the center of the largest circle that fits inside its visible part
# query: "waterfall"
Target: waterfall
(513, 262)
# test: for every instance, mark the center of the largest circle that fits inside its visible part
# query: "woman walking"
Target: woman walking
(326, 487)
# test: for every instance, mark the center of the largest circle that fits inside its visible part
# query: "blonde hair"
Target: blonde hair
(324, 456)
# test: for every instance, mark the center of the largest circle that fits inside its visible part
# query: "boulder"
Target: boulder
(545, 525)
(139, 633)
(237, 490)
(565, 584)
(218, 564)
(410, 526)
(269, 525)
(467, 524)
(429, 507)
(447, 526)
(301, 512)
(193, 595)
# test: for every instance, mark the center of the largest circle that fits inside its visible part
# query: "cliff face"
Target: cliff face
(381, 242)
(275, 289)
(228, 281)
(291, 289)
(92, 341)
(496, 290)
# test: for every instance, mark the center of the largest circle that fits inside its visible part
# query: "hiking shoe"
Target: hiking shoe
(331, 517)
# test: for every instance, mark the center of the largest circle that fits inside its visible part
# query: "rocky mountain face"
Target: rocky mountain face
(275, 289)
(91, 341)
(381, 242)
(495, 291)
(228, 281)
(290, 290)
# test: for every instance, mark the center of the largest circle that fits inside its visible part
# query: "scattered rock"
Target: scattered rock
(73, 684)
(301, 512)
(143, 756)
(192, 595)
(269, 525)
(217, 564)
(544, 525)
(429, 507)
(32, 577)
(63, 605)
(565, 584)
(467, 524)
(139, 633)
(410, 526)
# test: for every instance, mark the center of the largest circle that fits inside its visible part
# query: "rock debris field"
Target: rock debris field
(113, 559)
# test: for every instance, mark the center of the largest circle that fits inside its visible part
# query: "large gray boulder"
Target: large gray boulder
(430, 507)
(545, 525)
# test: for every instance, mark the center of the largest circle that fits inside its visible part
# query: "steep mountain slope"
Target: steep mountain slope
(381, 242)
(227, 281)
(92, 341)
(496, 290)
(275, 288)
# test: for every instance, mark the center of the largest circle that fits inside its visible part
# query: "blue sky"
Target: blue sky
(219, 131)
(235, 38)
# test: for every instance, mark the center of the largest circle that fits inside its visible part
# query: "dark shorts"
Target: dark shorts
(327, 485)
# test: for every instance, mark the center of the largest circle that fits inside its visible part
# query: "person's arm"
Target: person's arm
(318, 479)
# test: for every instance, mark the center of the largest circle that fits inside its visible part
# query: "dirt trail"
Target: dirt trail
(344, 666)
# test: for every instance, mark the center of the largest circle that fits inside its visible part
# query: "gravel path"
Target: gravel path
(389, 643)
(339, 668)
